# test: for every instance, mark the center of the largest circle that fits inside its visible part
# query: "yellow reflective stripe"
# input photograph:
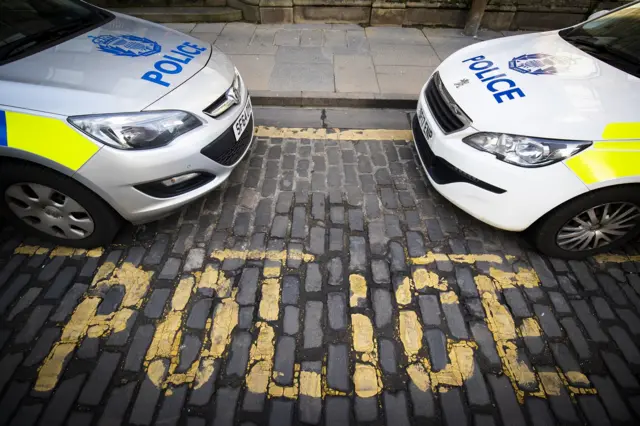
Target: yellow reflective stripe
(595, 165)
(618, 156)
(49, 138)
(618, 146)
(621, 131)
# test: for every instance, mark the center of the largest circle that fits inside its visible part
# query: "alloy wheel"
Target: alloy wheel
(598, 226)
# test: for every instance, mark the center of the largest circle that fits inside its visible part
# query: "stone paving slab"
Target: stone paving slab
(326, 283)
(254, 48)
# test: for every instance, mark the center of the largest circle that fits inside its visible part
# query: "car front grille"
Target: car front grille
(226, 150)
(443, 107)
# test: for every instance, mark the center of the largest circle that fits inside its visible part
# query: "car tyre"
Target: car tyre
(82, 211)
(563, 227)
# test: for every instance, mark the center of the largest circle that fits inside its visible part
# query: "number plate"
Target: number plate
(422, 119)
(242, 121)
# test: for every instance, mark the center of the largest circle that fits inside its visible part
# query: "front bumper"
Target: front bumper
(500, 194)
(210, 149)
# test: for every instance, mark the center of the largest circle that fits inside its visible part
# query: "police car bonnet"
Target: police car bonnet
(537, 85)
(124, 65)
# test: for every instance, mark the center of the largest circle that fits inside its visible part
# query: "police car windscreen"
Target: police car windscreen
(613, 38)
(30, 25)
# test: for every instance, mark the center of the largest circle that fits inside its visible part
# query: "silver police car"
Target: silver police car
(105, 117)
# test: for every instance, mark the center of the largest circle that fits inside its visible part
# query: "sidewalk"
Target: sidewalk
(333, 64)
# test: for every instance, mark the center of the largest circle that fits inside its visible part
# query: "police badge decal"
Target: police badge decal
(126, 45)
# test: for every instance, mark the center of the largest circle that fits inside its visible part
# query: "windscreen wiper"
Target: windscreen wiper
(605, 48)
(52, 34)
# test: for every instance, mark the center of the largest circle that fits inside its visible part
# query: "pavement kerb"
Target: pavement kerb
(333, 99)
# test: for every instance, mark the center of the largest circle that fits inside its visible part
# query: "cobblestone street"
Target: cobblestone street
(326, 283)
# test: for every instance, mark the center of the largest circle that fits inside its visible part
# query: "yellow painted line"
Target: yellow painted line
(261, 360)
(426, 279)
(410, 334)
(357, 290)
(334, 134)
(432, 257)
(270, 301)
(616, 258)
(404, 292)
(367, 378)
(59, 251)
(72, 334)
(277, 256)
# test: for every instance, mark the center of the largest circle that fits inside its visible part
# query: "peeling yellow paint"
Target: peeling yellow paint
(616, 258)
(530, 328)
(182, 293)
(403, 292)
(334, 134)
(357, 289)
(459, 369)
(263, 348)
(278, 256)
(104, 271)
(449, 298)
(76, 327)
(97, 331)
(362, 330)
(456, 258)
(419, 376)
(51, 369)
(209, 279)
(261, 360)
(427, 279)
(271, 271)
(95, 253)
(62, 251)
(578, 377)
(134, 279)
(205, 371)
(551, 382)
(310, 384)
(289, 392)
(366, 380)
(410, 334)
(59, 251)
(526, 278)
(499, 320)
(167, 332)
(26, 250)
(270, 301)
(521, 373)
(156, 372)
(225, 319)
(258, 377)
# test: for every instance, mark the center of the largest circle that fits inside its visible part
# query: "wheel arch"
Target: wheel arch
(18, 156)
(593, 191)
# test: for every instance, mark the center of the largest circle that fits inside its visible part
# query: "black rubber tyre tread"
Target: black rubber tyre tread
(543, 233)
(106, 221)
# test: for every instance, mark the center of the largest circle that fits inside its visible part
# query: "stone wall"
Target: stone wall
(500, 14)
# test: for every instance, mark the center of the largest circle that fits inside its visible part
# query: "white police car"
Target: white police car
(541, 132)
(106, 117)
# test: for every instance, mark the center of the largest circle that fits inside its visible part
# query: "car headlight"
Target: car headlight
(525, 151)
(142, 130)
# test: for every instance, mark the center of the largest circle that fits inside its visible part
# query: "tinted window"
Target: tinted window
(27, 26)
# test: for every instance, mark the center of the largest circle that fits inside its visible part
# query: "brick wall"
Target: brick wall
(500, 14)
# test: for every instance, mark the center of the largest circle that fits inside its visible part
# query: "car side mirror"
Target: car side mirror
(597, 14)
